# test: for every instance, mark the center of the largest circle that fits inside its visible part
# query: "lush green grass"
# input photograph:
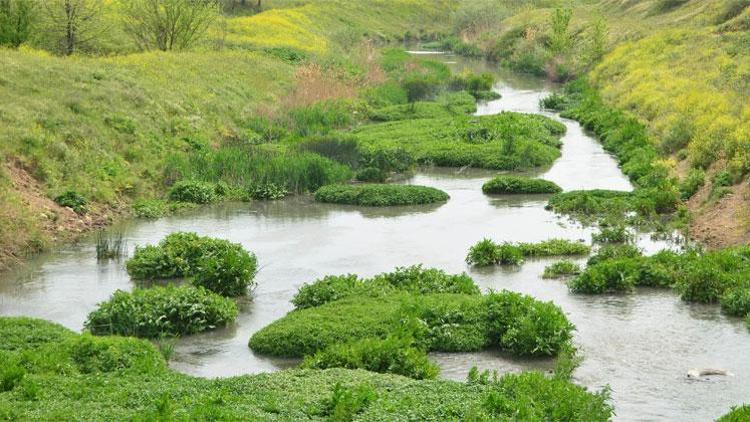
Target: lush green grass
(518, 184)
(587, 203)
(436, 322)
(161, 311)
(414, 279)
(57, 384)
(444, 106)
(507, 141)
(561, 269)
(486, 252)
(738, 414)
(379, 195)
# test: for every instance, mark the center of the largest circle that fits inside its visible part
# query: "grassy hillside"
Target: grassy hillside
(104, 126)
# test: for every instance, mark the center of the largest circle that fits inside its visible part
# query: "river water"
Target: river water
(641, 345)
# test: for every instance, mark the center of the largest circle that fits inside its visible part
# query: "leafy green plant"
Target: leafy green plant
(614, 251)
(193, 191)
(736, 301)
(618, 233)
(150, 208)
(695, 179)
(486, 252)
(267, 191)
(390, 355)
(517, 184)
(73, 200)
(11, 376)
(161, 311)
(228, 272)
(379, 195)
(561, 269)
(346, 403)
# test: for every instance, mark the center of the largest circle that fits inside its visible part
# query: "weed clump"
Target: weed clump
(380, 195)
(161, 311)
(736, 301)
(486, 252)
(518, 185)
(561, 269)
(193, 191)
(74, 201)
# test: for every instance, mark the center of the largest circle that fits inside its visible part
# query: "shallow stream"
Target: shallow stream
(641, 345)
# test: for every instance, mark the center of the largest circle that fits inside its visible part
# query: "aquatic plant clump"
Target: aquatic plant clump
(519, 185)
(436, 322)
(380, 195)
(506, 141)
(161, 311)
(414, 279)
(486, 252)
(193, 191)
(110, 372)
(561, 269)
(391, 355)
(736, 301)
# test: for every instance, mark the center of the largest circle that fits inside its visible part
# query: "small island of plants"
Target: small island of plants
(486, 252)
(380, 195)
(519, 185)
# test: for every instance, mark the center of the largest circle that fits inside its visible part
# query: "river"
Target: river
(641, 345)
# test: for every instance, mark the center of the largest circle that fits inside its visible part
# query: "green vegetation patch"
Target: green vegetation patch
(216, 264)
(57, 384)
(561, 269)
(161, 311)
(740, 413)
(486, 252)
(380, 195)
(445, 106)
(518, 184)
(506, 141)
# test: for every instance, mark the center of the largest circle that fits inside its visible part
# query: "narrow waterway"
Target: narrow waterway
(641, 345)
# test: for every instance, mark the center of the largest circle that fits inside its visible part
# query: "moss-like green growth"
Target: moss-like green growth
(390, 355)
(507, 141)
(561, 269)
(414, 279)
(518, 184)
(437, 322)
(138, 385)
(380, 195)
(161, 311)
(486, 252)
(218, 265)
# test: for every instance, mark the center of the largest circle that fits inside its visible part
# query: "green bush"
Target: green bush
(695, 179)
(736, 301)
(73, 200)
(380, 195)
(390, 355)
(506, 141)
(193, 191)
(615, 251)
(703, 281)
(371, 175)
(611, 276)
(561, 269)
(161, 311)
(267, 191)
(179, 255)
(517, 184)
(618, 233)
(414, 279)
(486, 252)
(228, 271)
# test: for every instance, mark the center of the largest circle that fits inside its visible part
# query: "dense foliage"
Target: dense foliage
(161, 311)
(486, 252)
(517, 184)
(380, 195)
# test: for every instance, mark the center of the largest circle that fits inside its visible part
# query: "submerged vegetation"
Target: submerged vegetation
(379, 195)
(486, 252)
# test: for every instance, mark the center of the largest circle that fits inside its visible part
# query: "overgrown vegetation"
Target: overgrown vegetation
(379, 195)
(486, 252)
(517, 185)
(561, 269)
(161, 311)
(127, 378)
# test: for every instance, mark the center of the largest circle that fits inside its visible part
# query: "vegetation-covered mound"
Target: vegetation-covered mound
(161, 311)
(51, 373)
(216, 264)
(433, 321)
(507, 141)
(380, 195)
(486, 252)
(518, 184)
(445, 105)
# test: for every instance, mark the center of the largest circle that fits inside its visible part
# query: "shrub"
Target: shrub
(702, 281)
(161, 311)
(229, 271)
(695, 179)
(561, 269)
(616, 251)
(193, 191)
(516, 184)
(72, 200)
(736, 301)
(390, 355)
(380, 195)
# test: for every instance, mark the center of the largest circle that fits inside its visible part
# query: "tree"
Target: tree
(73, 24)
(561, 40)
(16, 19)
(168, 24)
